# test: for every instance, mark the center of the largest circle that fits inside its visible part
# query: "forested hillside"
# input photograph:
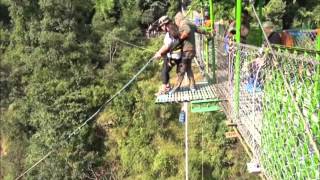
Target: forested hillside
(60, 61)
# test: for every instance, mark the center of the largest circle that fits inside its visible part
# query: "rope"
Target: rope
(91, 117)
(128, 43)
(312, 142)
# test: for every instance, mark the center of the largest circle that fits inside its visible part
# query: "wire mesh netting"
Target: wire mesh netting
(249, 119)
(279, 103)
(279, 100)
(201, 56)
(291, 132)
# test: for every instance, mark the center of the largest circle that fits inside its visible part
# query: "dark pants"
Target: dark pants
(167, 66)
(185, 67)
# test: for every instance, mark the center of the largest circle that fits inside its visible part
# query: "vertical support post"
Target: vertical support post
(211, 15)
(237, 63)
(185, 107)
(206, 50)
(213, 53)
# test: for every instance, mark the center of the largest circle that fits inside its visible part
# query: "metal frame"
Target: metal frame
(213, 56)
(237, 63)
(205, 105)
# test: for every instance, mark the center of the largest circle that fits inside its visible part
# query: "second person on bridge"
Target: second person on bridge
(187, 39)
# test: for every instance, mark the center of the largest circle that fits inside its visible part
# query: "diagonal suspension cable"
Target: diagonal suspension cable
(131, 44)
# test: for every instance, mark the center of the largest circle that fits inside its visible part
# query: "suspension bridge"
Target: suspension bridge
(272, 107)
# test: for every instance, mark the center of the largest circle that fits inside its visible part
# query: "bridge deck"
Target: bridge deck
(203, 92)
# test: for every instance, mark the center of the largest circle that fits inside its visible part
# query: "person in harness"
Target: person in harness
(171, 51)
(187, 39)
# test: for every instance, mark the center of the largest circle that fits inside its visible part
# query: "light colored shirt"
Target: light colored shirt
(169, 41)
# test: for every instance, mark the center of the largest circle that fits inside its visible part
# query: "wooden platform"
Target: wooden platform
(203, 92)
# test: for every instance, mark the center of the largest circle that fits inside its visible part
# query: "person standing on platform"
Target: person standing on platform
(187, 39)
(171, 55)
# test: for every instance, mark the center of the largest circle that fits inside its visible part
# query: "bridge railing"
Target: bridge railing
(290, 137)
(279, 116)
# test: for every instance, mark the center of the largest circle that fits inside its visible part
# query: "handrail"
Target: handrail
(298, 49)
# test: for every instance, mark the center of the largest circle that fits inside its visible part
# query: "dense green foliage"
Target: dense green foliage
(286, 14)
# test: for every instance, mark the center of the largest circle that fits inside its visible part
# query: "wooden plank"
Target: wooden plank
(208, 93)
(177, 96)
(170, 97)
(230, 124)
(189, 95)
(212, 92)
(205, 93)
(180, 97)
(197, 95)
(231, 134)
(212, 87)
(192, 95)
(185, 96)
(202, 92)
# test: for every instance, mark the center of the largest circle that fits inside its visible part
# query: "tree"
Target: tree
(274, 11)
(60, 88)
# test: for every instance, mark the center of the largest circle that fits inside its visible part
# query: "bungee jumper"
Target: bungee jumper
(170, 51)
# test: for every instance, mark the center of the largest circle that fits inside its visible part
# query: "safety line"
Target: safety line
(134, 45)
(91, 117)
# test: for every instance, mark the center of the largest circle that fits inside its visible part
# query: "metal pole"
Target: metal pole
(207, 54)
(213, 56)
(237, 64)
(185, 107)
